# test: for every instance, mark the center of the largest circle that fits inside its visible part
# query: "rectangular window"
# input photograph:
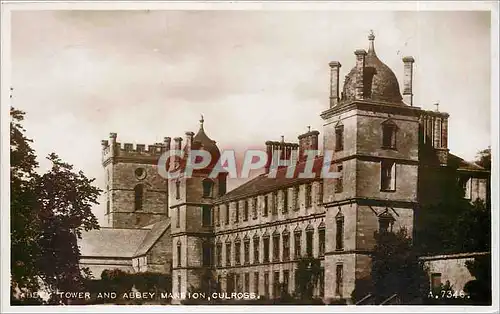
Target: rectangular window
(276, 284)
(286, 247)
(321, 235)
(256, 250)
(388, 176)
(296, 280)
(389, 136)
(179, 254)
(207, 216)
(436, 281)
(237, 253)
(284, 194)
(276, 248)
(339, 236)
(286, 280)
(179, 284)
(256, 283)
(228, 254)
(266, 284)
(322, 283)
(297, 243)
(245, 210)
(237, 283)
(296, 204)
(217, 216)
(177, 190)
(339, 182)
(222, 186)
(339, 277)
(247, 283)
(227, 214)
(237, 211)
(246, 253)
(178, 218)
(320, 193)
(219, 254)
(467, 186)
(207, 255)
(308, 195)
(230, 282)
(309, 243)
(266, 250)
(254, 207)
(275, 203)
(266, 206)
(339, 138)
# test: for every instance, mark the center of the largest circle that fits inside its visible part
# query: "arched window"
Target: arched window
(139, 196)
(207, 187)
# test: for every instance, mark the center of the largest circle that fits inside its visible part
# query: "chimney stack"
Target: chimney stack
(307, 141)
(334, 83)
(408, 80)
(178, 143)
(360, 68)
(166, 143)
(189, 140)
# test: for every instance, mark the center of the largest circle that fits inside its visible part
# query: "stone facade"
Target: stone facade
(392, 157)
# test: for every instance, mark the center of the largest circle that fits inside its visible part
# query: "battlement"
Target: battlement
(128, 151)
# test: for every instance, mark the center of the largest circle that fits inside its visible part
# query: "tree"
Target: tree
(308, 274)
(48, 214)
(479, 289)
(396, 268)
(483, 158)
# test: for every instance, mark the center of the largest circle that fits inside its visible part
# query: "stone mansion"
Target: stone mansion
(392, 155)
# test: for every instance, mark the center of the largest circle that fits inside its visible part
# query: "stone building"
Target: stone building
(392, 157)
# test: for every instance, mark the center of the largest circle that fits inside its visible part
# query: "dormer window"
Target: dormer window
(389, 129)
(385, 222)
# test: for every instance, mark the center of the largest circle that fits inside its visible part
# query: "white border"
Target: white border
(8, 6)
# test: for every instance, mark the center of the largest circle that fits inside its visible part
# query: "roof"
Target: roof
(380, 82)
(462, 164)
(111, 242)
(152, 236)
(264, 184)
(201, 141)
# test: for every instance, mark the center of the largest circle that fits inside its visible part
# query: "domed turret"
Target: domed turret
(202, 142)
(379, 81)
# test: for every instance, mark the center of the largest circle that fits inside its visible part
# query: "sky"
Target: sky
(254, 75)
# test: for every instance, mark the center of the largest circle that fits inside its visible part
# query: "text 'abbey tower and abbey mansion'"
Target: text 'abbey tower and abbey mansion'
(393, 158)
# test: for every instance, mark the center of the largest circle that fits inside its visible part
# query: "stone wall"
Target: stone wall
(121, 183)
(451, 268)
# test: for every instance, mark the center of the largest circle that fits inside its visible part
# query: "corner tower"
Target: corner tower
(136, 195)
(374, 137)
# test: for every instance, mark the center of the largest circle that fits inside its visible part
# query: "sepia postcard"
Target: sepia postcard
(278, 156)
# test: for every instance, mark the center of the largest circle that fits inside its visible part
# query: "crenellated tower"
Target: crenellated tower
(136, 195)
